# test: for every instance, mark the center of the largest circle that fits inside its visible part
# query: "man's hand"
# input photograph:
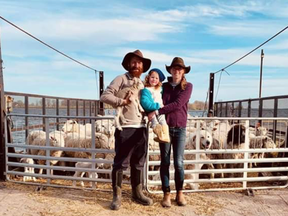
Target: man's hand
(151, 115)
(127, 99)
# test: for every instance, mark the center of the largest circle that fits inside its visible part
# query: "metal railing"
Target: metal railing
(225, 166)
(226, 171)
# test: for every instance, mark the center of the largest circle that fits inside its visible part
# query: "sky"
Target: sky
(207, 34)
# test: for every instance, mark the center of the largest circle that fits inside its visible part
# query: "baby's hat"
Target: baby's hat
(160, 73)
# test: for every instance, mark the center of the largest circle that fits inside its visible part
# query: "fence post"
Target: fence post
(2, 125)
(211, 93)
(101, 80)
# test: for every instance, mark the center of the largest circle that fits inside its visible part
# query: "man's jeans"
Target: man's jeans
(178, 137)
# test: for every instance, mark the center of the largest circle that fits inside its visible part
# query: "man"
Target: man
(131, 142)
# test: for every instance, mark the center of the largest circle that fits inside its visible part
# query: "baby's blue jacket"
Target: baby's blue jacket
(147, 101)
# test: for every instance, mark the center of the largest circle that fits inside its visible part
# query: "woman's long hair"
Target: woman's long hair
(183, 82)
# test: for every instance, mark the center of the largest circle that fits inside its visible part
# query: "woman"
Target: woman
(176, 94)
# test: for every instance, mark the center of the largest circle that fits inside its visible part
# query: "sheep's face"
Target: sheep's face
(269, 143)
(107, 128)
(53, 141)
(214, 125)
(70, 126)
(236, 134)
(138, 84)
(261, 131)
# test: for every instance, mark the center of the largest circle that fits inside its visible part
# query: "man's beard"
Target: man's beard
(136, 73)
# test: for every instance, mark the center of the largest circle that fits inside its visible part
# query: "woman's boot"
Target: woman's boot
(180, 199)
(166, 201)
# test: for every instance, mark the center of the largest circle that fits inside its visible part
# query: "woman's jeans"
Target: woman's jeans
(178, 137)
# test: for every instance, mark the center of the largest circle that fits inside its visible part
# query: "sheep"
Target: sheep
(105, 126)
(71, 126)
(260, 142)
(28, 169)
(55, 140)
(235, 140)
(76, 141)
(85, 165)
(134, 92)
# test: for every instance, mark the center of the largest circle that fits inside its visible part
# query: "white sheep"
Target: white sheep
(28, 169)
(85, 165)
(56, 139)
(71, 126)
(134, 92)
(76, 141)
(260, 142)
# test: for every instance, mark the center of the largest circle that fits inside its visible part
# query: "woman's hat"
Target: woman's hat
(177, 61)
(160, 74)
(128, 56)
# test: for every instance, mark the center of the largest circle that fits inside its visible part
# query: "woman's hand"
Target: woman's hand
(151, 115)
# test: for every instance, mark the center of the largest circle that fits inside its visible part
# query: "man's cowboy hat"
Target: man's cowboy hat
(128, 56)
(177, 61)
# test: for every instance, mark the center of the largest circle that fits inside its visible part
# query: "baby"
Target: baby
(151, 100)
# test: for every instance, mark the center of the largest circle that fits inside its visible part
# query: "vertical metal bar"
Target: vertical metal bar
(84, 108)
(2, 123)
(260, 110)
(221, 108)
(197, 167)
(246, 154)
(68, 107)
(95, 108)
(57, 113)
(249, 108)
(44, 111)
(216, 109)
(240, 109)
(261, 66)
(26, 112)
(275, 121)
(90, 110)
(77, 108)
(48, 172)
(211, 92)
(93, 153)
(101, 80)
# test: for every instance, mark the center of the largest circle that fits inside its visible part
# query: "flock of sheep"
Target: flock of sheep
(212, 134)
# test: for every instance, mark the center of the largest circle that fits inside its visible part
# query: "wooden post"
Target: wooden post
(211, 95)
(2, 125)
(101, 90)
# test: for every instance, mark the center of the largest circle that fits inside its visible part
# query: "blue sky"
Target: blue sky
(208, 35)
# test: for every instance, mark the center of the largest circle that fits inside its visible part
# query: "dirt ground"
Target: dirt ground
(26, 200)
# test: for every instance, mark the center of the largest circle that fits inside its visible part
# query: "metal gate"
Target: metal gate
(90, 150)
(253, 161)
